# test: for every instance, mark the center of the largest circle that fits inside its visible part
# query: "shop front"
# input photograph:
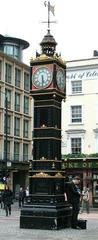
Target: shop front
(15, 174)
(87, 169)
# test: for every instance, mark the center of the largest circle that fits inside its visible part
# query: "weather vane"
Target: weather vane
(51, 9)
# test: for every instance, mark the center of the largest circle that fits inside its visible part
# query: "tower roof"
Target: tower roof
(12, 40)
(48, 44)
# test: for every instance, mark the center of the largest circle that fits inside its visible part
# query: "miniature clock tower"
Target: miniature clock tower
(46, 207)
(48, 90)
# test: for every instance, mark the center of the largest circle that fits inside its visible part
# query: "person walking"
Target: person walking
(85, 200)
(7, 200)
(73, 197)
(27, 191)
(22, 195)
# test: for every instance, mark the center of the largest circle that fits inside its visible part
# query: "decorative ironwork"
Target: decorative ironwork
(58, 175)
(41, 175)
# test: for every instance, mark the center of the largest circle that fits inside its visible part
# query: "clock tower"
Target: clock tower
(46, 207)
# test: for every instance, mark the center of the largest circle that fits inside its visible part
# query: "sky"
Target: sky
(75, 30)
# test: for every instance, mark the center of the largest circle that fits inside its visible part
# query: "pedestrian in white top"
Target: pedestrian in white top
(85, 200)
(27, 192)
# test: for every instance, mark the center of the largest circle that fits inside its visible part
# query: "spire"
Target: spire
(48, 44)
(50, 9)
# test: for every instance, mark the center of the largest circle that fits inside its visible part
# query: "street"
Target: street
(9, 229)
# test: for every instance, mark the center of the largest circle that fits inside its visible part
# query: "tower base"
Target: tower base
(45, 217)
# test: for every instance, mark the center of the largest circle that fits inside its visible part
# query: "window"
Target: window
(76, 114)
(8, 126)
(25, 128)
(17, 126)
(25, 152)
(95, 176)
(13, 51)
(75, 145)
(17, 53)
(17, 102)
(76, 86)
(26, 82)
(17, 77)
(8, 49)
(16, 151)
(8, 72)
(0, 96)
(8, 98)
(0, 69)
(6, 150)
(95, 185)
(26, 105)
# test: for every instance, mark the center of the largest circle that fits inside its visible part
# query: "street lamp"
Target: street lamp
(7, 162)
(6, 131)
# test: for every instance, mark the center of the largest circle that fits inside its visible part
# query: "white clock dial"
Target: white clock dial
(61, 79)
(42, 77)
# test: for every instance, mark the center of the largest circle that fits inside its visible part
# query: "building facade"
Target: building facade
(15, 116)
(80, 122)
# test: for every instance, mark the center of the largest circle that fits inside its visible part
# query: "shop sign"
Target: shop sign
(80, 75)
(82, 165)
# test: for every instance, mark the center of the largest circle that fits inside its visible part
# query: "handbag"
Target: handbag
(85, 198)
(82, 223)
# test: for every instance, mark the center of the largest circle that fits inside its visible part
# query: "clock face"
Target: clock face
(42, 77)
(61, 79)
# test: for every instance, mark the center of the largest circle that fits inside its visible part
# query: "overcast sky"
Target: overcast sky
(76, 30)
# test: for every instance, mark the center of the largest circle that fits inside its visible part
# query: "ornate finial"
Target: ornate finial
(48, 44)
(50, 9)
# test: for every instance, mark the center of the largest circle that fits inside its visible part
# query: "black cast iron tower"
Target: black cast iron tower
(47, 208)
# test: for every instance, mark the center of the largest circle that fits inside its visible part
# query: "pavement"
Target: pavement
(10, 229)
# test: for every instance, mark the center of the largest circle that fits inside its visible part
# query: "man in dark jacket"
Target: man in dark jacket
(73, 197)
(7, 200)
(22, 195)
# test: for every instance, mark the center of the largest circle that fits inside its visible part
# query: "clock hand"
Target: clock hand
(60, 80)
(42, 80)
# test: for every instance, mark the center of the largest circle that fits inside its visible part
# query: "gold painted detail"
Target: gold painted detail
(58, 175)
(58, 58)
(45, 175)
(43, 57)
(41, 174)
(43, 158)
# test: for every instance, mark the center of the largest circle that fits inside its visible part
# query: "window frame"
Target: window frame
(17, 102)
(76, 141)
(8, 95)
(0, 69)
(16, 153)
(75, 88)
(25, 155)
(25, 128)
(76, 114)
(8, 149)
(8, 73)
(17, 126)
(17, 77)
(26, 81)
(8, 124)
(26, 105)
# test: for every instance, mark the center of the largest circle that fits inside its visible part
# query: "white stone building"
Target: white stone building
(80, 124)
(80, 110)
